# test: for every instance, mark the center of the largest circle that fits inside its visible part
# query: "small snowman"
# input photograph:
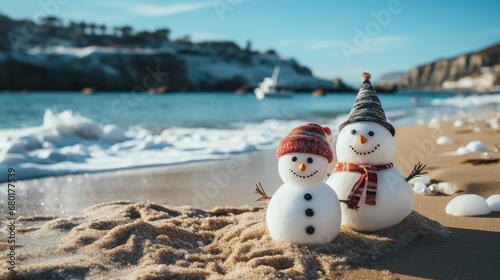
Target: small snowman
(304, 210)
(365, 174)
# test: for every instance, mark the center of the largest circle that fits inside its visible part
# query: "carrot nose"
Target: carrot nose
(302, 167)
(362, 139)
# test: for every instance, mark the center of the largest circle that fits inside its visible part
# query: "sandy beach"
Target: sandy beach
(200, 221)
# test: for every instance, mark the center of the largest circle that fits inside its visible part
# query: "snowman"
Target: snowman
(364, 173)
(304, 210)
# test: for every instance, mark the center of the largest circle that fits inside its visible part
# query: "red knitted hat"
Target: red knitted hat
(309, 138)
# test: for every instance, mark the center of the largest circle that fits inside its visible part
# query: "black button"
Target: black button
(310, 230)
(308, 196)
(309, 212)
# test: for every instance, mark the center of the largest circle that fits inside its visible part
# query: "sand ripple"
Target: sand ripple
(149, 241)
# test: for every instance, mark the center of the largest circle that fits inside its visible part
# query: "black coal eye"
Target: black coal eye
(294, 159)
(353, 131)
(309, 160)
(371, 133)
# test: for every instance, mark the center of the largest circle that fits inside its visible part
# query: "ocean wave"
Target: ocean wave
(468, 101)
(68, 143)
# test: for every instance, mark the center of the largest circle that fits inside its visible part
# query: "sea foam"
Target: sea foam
(68, 143)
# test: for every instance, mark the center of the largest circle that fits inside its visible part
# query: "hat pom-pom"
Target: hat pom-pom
(328, 132)
(330, 139)
(366, 76)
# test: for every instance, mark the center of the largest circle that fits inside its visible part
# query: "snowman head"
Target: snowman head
(302, 170)
(304, 155)
(366, 137)
(365, 143)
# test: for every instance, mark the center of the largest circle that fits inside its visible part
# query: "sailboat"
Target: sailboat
(268, 87)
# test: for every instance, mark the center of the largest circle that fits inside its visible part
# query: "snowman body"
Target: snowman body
(368, 143)
(394, 200)
(304, 210)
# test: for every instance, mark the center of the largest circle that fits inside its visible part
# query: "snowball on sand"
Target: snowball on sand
(468, 205)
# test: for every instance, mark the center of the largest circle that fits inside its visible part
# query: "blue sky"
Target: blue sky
(332, 37)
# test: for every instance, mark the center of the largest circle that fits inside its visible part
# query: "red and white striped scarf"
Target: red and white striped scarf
(368, 179)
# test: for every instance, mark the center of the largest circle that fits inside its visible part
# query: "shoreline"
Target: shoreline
(69, 143)
(224, 189)
(205, 184)
(209, 180)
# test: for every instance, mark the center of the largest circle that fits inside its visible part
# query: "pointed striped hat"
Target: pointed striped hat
(367, 107)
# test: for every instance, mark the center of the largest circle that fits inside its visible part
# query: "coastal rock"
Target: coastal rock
(388, 82)
(109, 69)
(67, 58)
(479, 69)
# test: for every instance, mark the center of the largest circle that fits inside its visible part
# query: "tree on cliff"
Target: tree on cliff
(162, 34)
(51, 25)
(126, 31)
(102, 28)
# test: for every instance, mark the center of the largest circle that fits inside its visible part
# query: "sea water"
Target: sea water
(56, 133)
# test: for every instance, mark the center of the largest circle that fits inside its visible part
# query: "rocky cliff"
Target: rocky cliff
(474, 71)
(58, 57)
(176, 68)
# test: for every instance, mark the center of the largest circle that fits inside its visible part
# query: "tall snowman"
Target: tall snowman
(379, 195)
(304, 210)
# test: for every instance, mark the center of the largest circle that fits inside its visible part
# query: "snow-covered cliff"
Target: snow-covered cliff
(59, 57)
(176, 66)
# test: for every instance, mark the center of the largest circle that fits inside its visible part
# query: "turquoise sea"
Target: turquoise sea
(56, 133)
(197, 109)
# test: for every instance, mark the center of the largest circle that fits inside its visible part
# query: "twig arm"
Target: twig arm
(417, 171)
(350, 204)
(260, 190)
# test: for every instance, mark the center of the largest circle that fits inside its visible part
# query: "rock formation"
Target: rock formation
(481, 71)
(74, 57)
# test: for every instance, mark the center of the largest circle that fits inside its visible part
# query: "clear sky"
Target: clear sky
(332, 37)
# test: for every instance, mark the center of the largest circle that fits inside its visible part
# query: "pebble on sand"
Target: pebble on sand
(476, 146)
(468, 205)
(494, 202)
(446, 188)
(473, 147)
(444, 140)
